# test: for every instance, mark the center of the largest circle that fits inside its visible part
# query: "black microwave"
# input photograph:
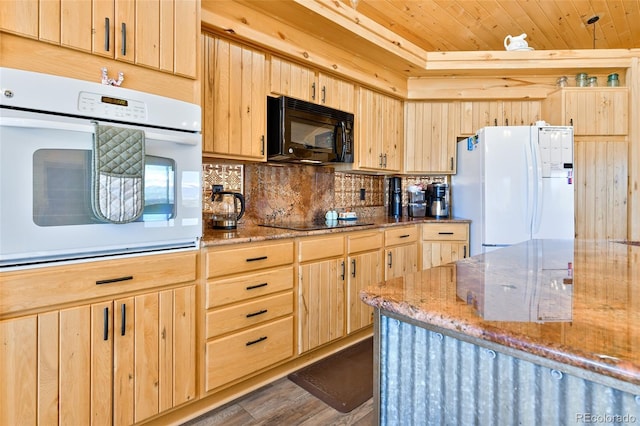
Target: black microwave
(303, 132)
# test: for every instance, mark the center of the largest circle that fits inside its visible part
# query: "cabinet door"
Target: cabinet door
(234, 99)
(520, 113)
(440, 253)
(363, 270)
(103, 24)
(19, 17)
(321, 307)
(597, 111)
(125, 29)
(76, 24)
(400, 260)
(336, 93)
(291, 79)
(430, 137)
(379, 131)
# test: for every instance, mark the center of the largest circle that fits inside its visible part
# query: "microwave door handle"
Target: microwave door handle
(33, 123)
(343, 126)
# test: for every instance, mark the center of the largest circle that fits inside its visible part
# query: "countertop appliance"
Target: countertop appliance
(304, 132)
(417, 204)
(48, 134)
(515, 183)
(438, 200)
(395, 197)
(226, 208)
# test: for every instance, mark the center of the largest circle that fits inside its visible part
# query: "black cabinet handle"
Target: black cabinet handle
(252, 287)
(495, 121)
(405, 236)
(114, 280)
(324, 94)
(260, 312)
(124, 39)
(343, 272)
(254, 259)
(106, 34)
(451, 164)
(506, 121)
(390, 257)
(313, 91)
(123, 328)
(571, 122)
(105, 333)
(445, 233)
(353, 266)
(253, 342)
(464, 256)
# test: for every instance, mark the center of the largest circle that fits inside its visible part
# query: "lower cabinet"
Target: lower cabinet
(443, 243)
(118, 361)
(248, 310)
(401, 251)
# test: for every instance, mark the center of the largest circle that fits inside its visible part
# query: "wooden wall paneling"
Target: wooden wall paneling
(601, 189)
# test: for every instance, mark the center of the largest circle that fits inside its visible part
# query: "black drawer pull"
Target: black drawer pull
(445, 233)
(260, 312)
(253, 342)
(251, 287)
(253, 259)
(106, 324)
(123, 328)
(405, 236)
(114, 280)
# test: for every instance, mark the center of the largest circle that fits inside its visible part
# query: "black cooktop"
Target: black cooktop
(315, 226)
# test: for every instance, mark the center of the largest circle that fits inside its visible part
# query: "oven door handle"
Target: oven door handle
(183, 138)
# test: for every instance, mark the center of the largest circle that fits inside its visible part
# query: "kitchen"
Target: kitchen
(451, 103)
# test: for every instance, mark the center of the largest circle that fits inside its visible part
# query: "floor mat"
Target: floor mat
(343, 380)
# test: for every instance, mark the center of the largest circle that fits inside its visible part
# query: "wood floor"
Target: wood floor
(283, 403)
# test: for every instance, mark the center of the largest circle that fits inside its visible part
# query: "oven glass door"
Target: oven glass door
(45, 187)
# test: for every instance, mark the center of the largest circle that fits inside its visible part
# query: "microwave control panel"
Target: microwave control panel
(102, 106)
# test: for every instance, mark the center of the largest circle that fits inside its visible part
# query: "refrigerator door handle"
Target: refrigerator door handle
(537, 167)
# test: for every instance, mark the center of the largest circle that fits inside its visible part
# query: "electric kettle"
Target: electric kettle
(224, 208)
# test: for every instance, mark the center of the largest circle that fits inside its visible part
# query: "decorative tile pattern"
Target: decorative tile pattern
(230, 176)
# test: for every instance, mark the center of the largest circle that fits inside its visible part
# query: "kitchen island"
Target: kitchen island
(543, 332)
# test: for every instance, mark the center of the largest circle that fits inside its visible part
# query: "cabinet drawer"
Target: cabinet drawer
(320, 248)
(232, 318)
(445, 231)
(46, 287)
(403, 235)
(248, 258)
(232, 357)
(231, 290)
(363, 241)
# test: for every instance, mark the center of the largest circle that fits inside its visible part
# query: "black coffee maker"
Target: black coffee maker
(395, 197)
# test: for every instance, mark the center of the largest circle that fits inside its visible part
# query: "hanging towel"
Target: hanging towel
(118, 174)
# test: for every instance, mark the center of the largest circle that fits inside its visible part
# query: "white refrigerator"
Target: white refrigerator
(515, 183)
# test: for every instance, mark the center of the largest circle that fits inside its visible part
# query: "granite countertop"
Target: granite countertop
(248, 232)
(574, 302)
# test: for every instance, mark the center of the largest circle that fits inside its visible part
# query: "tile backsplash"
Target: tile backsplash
(291, 192)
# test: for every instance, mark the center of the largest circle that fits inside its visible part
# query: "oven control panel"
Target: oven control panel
(103, 106)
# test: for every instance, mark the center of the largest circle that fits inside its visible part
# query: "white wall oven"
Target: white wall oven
(51, 179)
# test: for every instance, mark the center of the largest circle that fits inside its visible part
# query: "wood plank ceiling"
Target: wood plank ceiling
(470, 25)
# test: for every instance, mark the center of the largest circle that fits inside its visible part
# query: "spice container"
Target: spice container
(562, 81)
(612, 80)
(593, 81)
(581, 79)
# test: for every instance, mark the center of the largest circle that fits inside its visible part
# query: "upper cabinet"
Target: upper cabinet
(300, 82)
(379, 132)
(233, 100)
(430, 137)
(592, 111)
(157, 34)
(475, 115)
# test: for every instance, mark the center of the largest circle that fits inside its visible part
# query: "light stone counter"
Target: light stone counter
(543, 331)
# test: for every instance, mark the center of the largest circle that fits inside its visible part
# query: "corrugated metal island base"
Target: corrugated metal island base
(543, 333)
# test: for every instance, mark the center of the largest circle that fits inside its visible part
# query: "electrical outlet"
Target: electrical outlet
(362, 193)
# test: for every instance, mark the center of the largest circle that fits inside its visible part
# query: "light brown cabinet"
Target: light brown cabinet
(444, 243)
(602, 111)
(248, 310)
(430, 137)
(379, 132)
(157, 34)
(233, 100)
(364, 268)
(401, 251)
(111, 361)
(475, 115)
(307, 84)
